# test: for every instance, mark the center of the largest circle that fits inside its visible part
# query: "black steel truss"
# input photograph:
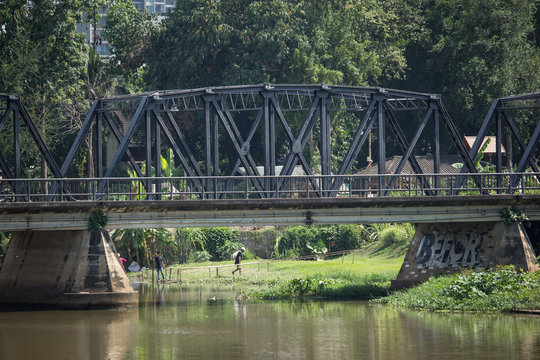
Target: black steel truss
(13, 108)
(500, 110)
(151, 121)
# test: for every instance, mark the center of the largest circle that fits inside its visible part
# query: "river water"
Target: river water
(175, 322)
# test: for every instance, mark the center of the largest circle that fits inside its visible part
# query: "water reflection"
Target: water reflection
(67, 334)
(200, 323)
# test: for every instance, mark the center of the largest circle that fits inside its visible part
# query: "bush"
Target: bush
(188, 240)
(498, 289)
(288, 254)
(4, 241)
(294, 239)
(395, 234)
(248, 255)
(217, 237)
(340, 237)
(200, 256)
(226, 251)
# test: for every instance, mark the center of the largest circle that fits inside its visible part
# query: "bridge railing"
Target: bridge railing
(266, 187)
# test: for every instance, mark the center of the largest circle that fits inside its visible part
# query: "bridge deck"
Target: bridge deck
(260, 212)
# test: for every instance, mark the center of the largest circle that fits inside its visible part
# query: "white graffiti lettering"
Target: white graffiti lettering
(448, 249)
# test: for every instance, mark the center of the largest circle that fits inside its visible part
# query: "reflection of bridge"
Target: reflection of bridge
(228, 144)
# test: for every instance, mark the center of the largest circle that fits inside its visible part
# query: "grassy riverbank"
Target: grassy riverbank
(501, 289)
(362, 275)
(366, 275)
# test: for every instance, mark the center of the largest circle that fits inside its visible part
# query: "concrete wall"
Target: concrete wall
(449, 247)
(64, 269)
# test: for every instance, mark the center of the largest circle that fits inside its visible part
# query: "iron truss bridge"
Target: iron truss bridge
(259, 140)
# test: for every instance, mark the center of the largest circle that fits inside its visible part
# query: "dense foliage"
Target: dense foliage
(497, 289)
(469, 51)
(334, 285)
(294, 240)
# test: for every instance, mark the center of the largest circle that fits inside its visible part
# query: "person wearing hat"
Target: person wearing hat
(237, 260)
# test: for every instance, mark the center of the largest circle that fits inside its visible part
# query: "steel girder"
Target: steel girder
(269, 107)
(13, 107)
(500, 109)
(152, 121)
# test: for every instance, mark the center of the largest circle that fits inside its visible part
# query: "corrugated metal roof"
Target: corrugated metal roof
(425, 162)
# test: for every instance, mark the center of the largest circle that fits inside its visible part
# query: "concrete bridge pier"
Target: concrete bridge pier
(64, 270)
(450, 247)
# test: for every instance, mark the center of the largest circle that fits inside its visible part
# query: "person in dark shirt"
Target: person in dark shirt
(237, 260)
(159, 266)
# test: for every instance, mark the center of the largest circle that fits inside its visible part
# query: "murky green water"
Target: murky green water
(186, 323)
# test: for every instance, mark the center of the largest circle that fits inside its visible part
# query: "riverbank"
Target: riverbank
(500, 289)
(366, 275)
(362, 275)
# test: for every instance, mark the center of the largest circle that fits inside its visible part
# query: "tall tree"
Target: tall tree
(129, 34)
(225, 42)
(475, 51)
(42, 58)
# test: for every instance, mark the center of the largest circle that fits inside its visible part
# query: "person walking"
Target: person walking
(237, 260)
(159, 266)
(122, 261)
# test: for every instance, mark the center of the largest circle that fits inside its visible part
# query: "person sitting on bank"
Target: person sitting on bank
(159, 266)
(237, 260)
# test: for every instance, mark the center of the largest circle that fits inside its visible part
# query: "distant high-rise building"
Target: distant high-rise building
(159, 7)
(94, 36)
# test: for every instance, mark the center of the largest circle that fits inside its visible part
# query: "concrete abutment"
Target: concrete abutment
(444, 248)
(65, 270)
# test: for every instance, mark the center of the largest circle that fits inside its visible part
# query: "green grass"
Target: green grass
(369, 276)
(500, 289)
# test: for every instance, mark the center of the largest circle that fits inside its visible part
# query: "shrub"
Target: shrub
(248, 255)
(188, 240)
(226, 251)
(340, 237)
(217, 237)
(4, 241)
(502, 288)
(200, 256)
(395, 234)
(295, 238)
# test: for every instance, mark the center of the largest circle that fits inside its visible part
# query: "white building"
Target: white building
(159, 7)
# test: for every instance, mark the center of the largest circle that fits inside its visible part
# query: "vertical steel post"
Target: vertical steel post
(99, 144)
(16, 145)
(381, 142)
(325, 140)
(437, 150)
(216, 144)
(148, 148)
(16, 152)
(208, 143)
(498, 145)
(157, 138)
(267, 141)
